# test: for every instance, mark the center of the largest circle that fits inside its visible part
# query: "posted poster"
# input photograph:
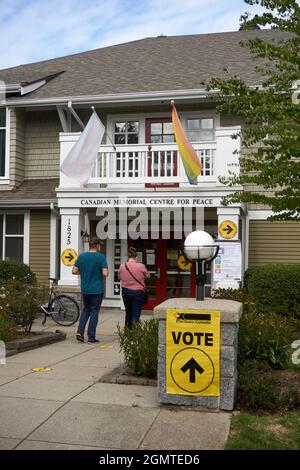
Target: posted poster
(193, 352)
(228, 263)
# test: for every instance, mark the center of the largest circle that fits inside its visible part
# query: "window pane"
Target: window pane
(15, 224)
(207, 123)
(2, 117)
(132, 139)
(14, 248)
(119, 139)
(193, 124)
(2, 152)
(207, 135)
(168, 128)
(120, 127)
(156, 139)
(156, 128)
(194, 136)
(1, 235)
(133, 126)
(168, 138)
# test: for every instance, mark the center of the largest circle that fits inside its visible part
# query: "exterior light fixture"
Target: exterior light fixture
(199, 247)
(85, 236)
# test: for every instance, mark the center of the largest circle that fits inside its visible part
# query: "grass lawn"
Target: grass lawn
(272, 432)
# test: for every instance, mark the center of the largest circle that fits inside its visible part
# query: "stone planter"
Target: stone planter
(33, 340)
(230, 312)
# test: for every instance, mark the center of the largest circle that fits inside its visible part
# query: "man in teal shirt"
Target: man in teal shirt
(92, 268)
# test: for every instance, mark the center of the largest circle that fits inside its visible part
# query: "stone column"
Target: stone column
(230, 313)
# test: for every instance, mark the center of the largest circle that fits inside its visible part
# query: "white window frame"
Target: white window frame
(25, 235)
(126, 120)
(5, 179)
(184, 115)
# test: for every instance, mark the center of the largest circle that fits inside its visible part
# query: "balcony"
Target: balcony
(156, 164)
(153, 164)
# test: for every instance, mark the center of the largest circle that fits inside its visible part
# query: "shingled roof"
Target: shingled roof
(39, 191)
(147, 65)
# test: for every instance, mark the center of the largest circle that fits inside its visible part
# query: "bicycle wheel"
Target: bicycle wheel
(64, 310)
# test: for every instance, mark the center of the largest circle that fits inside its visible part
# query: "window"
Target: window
(161, 132)
(126, 132)
(200, 129)
(12, 236)
(2, 140)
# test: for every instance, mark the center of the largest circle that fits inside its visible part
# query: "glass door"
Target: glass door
(161, 163)
(179, 282)
(150, 253)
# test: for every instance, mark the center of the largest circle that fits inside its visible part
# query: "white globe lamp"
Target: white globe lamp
(200, 247)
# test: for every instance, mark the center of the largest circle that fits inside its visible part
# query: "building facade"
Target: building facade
(138, 193)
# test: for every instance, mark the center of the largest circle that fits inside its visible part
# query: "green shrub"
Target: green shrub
(140, 346)
(239, 295)
(259, 388)
(7, 328)
(266, 338)
(20, 302)
(275, 288)
(14, 269)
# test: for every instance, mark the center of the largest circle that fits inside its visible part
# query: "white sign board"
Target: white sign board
(167, 201)
(228, 263)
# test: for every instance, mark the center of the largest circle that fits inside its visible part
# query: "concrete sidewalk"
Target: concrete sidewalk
(67, 408)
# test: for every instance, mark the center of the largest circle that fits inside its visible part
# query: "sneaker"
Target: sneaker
(79, 337)
(92, 341)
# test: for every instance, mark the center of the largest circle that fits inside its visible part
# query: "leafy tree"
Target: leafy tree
(271, 130)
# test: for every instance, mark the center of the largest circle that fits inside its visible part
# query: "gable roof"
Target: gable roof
(148, 65)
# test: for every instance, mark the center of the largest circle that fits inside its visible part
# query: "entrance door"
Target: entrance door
(150, 252)
(161, 163)
(166, 280)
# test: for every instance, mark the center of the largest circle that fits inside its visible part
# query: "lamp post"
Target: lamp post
(200, 247)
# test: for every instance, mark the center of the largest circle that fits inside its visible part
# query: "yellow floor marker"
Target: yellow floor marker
(41, 369)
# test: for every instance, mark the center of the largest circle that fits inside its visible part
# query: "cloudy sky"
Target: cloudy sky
(34, 30)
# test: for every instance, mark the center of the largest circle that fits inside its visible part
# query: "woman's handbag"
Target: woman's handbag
(146, 294)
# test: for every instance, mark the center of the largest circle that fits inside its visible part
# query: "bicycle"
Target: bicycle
(63, 309)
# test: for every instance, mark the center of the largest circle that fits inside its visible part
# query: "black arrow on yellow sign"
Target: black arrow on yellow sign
(69, 257)
(228, 229)
(193, 366)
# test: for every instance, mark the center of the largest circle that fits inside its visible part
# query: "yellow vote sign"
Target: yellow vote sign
(69, 256)
(193, 352)
(227, 229)
(184, 264)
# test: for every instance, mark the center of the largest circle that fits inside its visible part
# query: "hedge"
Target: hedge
(13, 269)
(275, 288)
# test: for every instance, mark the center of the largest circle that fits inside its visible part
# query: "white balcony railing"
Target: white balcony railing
(155, 164)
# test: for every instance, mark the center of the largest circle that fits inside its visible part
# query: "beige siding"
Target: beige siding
(39, 244)
(273, 242)
(17, 147)
(42, 145)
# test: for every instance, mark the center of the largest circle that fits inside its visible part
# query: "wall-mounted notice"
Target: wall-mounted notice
(228, 263)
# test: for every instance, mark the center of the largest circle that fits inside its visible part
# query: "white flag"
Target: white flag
(80, 161)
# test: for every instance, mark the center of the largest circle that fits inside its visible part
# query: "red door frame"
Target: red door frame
(161, 264)
(148, 123)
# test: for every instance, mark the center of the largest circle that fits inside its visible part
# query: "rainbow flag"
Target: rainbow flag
(189, 156)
